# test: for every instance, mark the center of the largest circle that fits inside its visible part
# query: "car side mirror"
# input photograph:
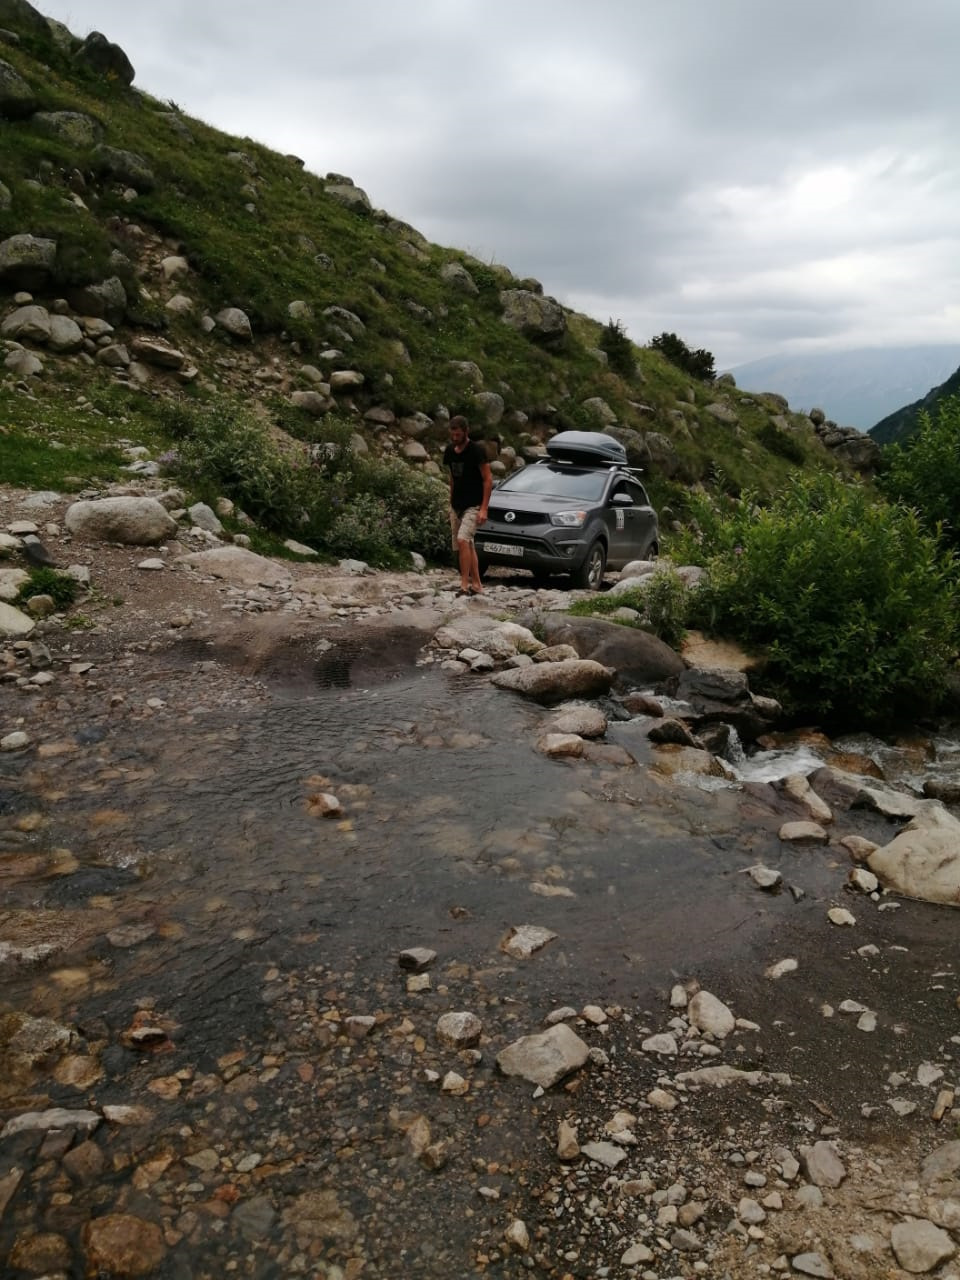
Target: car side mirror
(622, 500)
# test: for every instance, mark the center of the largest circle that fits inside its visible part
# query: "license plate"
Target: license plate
(502, 549)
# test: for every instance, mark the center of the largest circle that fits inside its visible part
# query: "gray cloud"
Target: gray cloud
(757, 176)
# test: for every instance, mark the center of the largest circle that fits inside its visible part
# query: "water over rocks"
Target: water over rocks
(221, 1018)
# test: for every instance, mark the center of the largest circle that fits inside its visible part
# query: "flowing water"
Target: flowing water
(184, 878)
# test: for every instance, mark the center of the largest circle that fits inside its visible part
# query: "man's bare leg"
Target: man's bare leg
(464, 552)
(476, 586)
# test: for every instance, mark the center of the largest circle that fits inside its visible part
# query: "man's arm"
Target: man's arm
(487, 477)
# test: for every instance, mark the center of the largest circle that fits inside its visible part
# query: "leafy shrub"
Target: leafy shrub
(924, 472)
(345, 503)
(852, 600)
(619, 349)
(61, 588)
(698, 364)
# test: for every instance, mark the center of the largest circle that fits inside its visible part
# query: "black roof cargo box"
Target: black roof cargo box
(587, 449)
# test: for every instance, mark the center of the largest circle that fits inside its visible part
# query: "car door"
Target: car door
(618, 519)
(641, 523)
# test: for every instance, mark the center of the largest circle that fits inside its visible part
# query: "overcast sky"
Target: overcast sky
(759, 176)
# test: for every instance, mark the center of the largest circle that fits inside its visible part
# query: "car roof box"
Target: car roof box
(587, 448)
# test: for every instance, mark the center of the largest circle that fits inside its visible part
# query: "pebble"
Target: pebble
(812, 1264)
(840, 916)
(782, 968)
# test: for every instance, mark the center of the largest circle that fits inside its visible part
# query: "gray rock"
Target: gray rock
(637, 657)
(457, 275)
(708, 1014)
(55, 1118)
(126, 167)
(131, 521)
(460, 1030)
(14, 624)
(544, 1058)
(65, 336)
(919, 1246)
(549, 682)
(28, 324)
(237, 565)
(536, 317)
(17, 99)
(235, 322)
(942, 1164)
(923, 861)
(22, 17)
(812, 1264)
(822, 1165)
(105, 300)
(204, 518)
(348, 194)
(73, 127)
(107, 59)
(26, 261)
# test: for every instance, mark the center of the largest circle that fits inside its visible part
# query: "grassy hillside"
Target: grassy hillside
(898, 427)
(123, 182)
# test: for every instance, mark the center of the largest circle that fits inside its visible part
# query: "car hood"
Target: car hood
(501, 503)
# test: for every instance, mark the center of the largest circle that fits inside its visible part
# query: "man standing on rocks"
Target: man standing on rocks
(471, 483)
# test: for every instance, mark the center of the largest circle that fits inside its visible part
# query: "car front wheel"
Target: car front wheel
(590, 574)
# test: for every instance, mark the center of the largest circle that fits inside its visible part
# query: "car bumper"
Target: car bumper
(529, 551)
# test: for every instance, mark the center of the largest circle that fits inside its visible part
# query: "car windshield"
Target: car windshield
(557, 482)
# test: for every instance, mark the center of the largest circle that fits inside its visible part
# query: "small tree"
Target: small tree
(924, 471)
(699, 363)
(618, 348)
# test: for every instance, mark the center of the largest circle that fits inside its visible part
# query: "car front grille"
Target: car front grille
(498, 516)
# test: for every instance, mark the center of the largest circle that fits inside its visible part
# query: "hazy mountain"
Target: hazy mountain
(855, 388)
(898, 425)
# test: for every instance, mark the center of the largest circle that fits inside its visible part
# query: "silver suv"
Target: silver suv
(579, 511)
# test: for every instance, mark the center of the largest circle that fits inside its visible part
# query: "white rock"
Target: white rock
(606, 1153)
(664, 1044)
(840, 916)
(153, 564)
(15, 741)
(14, 624)
(803, 833)
(782, 967)
(920, 1246)
(524, 940)
(460, 1030)
(710, 1015)
(545, 1058)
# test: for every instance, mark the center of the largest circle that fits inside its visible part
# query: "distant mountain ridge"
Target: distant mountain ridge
(856, 388)
(897, 426)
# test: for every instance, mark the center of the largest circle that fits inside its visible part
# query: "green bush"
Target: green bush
(345, 503)
(924, 472)
(851, 599)
(621, 356)
(698, 364)
(61, 588)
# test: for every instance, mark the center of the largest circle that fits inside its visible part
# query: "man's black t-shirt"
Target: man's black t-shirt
(464, 467)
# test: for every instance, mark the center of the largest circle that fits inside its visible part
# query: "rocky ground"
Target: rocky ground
(434, 1116)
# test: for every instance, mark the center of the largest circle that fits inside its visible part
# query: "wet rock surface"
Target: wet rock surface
(264, 856)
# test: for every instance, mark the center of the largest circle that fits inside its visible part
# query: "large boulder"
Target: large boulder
(237, 565)
(348, 194)
(27, 324)
(107, 59)
(536, 317)
(14, 624)
(637, 657)
(132, 521)
(106, 300)
(19, 16)
(127, 167)
(545, 1058)
(923, 861)
(457, 275)
(73, 127)
(235, 322)
(550, 682)
(65, 335)
(26, 261)
(17, 99)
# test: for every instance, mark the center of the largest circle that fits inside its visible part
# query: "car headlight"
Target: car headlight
(568, 519)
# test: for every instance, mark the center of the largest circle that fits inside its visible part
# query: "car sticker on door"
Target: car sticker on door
(621, 517)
